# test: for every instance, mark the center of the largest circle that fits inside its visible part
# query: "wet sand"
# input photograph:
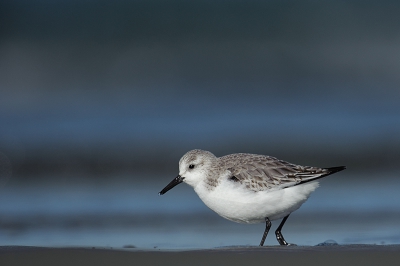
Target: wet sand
(271, 255)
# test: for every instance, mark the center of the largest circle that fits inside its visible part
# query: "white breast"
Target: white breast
(235, 202)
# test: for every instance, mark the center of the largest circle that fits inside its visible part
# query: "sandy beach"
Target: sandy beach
(270, 255)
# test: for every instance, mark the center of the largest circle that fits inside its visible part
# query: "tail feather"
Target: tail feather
(335, 169)
(331, 170)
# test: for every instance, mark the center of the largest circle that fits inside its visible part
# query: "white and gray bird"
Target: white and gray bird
(249, 188)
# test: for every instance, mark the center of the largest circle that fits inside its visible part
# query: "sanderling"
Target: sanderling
(249, 188)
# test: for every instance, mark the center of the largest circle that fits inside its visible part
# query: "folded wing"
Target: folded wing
(259, 172)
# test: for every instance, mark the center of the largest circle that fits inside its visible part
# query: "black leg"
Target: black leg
(278, 233)
(267, 227)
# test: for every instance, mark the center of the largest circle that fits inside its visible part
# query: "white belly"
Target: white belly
(238, 204)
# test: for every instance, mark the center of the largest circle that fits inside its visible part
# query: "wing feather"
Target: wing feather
(259, 172)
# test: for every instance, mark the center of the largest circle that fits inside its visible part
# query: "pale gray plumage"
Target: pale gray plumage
(259, 172)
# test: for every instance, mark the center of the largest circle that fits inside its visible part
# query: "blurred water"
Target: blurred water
(94, 87)
(94, 138)
(127, 213)
(92, 90)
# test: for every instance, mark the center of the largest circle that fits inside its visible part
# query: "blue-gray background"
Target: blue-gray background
(100, 99)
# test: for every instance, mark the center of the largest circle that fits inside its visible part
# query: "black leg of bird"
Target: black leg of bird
(278, 232)
(267, 227)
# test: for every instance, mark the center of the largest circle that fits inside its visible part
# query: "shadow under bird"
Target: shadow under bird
(249, 188)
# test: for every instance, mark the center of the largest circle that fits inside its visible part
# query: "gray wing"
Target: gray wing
(259, 172)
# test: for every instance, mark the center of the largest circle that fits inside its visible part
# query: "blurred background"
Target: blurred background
(100, 99)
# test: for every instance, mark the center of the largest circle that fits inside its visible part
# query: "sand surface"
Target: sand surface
(270, 255)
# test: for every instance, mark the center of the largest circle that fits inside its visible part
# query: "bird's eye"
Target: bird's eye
(191, 166)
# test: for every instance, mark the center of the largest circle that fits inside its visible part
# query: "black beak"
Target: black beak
(176, 181)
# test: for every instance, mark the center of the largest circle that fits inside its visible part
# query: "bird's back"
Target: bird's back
(260, 172)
